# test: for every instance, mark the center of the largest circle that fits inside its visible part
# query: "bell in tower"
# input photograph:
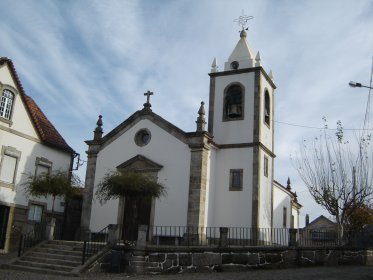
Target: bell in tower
(233, 102)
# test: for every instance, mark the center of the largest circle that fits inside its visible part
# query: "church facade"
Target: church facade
(220, 175)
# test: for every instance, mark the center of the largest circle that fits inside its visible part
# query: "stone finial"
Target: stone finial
(214, 66)
(201, 118)
(295, 197)
(98, 130)
(288, 184)
(257, 59)
(271, 75)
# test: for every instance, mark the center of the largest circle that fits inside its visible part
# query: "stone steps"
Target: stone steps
(50, 257)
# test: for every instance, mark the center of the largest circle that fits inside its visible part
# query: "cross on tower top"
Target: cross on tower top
(243, 19)
(147, 105)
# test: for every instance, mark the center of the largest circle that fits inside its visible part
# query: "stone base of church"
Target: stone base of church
(182, 260)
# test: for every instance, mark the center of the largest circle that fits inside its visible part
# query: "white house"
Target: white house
(219, 177)
(29, 144)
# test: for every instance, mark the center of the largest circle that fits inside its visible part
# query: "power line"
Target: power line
(315, 127)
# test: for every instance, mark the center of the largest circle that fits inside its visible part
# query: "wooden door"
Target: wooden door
(136, 212)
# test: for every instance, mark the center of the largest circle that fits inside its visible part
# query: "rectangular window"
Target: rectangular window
(8, 169)
(235, 179)
(265, 167)
(35, 213)
(42, 166)
(284, 217)
(8, 166)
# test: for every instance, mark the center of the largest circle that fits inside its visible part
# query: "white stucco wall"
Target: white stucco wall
(280, 200)
(232, 208)
(238, 131)
(295, 213)
(163, 149)
(211, 205)
(265, 191)
(266, 132)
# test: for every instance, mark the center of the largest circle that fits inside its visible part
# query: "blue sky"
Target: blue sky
(79, 59)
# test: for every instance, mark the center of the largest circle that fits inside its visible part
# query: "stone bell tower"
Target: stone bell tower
(241, 122)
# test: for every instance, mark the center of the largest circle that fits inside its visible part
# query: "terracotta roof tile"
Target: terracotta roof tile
(45, 129)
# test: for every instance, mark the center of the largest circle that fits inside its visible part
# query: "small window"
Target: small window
(35, 213)
(233, 103)
(235, 179)
(42, 166)
(6, 104)
(265, 167)
(142, 137)
(284, 217)
(8, 166)
(267, 108)
(8, 169)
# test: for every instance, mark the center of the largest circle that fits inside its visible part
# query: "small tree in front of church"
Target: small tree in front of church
(56, 184)
(128, 184)
(132, 186)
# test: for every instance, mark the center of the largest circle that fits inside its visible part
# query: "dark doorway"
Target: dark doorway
(136, 212)
(4, 215)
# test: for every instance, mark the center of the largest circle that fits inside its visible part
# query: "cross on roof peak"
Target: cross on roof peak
(147, 105)
(243, 19)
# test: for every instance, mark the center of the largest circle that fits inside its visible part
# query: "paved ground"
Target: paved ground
(313, 273)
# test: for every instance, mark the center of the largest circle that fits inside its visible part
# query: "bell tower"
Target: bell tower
(241, 121)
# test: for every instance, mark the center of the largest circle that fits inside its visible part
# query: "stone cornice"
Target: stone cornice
(245, 70)
(244, 145)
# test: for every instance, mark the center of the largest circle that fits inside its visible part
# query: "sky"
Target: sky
(80, 59)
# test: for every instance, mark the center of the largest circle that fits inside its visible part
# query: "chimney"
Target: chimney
(307, 219)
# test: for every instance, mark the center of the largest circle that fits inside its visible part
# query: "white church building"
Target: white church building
(221, 175)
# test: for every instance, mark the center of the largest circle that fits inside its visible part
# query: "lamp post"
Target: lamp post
(354, 84)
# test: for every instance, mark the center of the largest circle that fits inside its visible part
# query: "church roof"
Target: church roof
(242, 50)
(154, 118)
(48, 134)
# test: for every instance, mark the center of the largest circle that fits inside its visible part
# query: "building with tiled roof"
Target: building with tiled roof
(29, 145)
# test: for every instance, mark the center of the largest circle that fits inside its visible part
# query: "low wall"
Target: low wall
(241, 259)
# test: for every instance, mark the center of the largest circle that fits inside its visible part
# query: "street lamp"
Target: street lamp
(354, 84)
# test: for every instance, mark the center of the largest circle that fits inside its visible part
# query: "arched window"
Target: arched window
(6, 104)
(267, 108)
(233, 103)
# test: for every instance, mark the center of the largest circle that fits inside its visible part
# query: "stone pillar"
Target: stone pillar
(141, 237)
(293, 237)
(198, 182)
(89, 186)
(113, 234)
(223, 242)
(49, 234)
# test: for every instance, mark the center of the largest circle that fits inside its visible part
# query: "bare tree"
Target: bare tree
(337, 174)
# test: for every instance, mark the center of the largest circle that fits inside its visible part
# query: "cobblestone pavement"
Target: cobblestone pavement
(312, 273)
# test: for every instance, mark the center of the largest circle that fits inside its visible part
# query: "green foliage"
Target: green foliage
(128, 184)
(56, 183)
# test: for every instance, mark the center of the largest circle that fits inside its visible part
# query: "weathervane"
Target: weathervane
(242, 20)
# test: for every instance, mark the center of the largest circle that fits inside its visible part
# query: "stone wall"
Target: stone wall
(240, 260)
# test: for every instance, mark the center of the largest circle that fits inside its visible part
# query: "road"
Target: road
(311, 273)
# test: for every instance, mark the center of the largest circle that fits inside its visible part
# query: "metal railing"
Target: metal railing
(241, 237)
(95, 243)
(33, 237)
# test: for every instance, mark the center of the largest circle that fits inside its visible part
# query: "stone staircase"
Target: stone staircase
(50, 257)
(140, 264)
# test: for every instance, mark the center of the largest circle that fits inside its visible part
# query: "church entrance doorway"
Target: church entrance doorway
(137, 212)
